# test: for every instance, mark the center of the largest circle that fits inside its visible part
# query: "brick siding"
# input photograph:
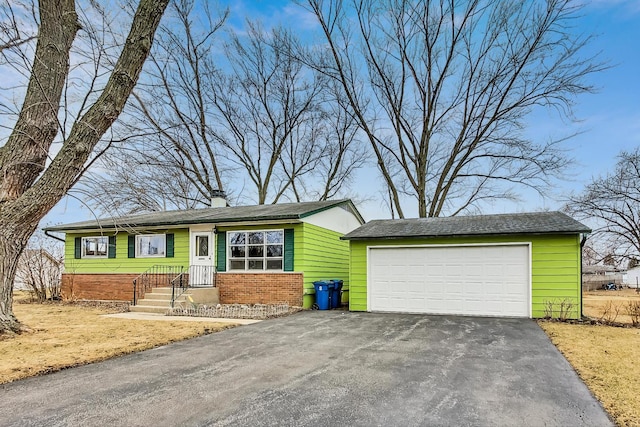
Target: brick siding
(260, 288)
(234, 288)
(116, 287)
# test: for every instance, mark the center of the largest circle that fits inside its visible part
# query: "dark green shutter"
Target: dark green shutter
(170, 245)
(132, 246)
(288, 250)
(77, 253)
(221, 251)
(112, 247)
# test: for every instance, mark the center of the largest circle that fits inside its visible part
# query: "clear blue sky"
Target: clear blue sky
(609, 120)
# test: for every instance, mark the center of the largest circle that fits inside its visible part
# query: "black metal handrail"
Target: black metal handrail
(197, 276)
(154, 277)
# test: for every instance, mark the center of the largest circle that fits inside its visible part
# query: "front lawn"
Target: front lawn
(63, 336)
(609, 305)
(606, 358)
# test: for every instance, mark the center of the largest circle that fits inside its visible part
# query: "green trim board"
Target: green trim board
(555, 266)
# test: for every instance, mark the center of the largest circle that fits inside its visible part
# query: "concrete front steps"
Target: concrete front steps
(158, 300)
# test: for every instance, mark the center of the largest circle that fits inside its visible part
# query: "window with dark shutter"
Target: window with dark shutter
(170, 245)
(288, 249)
(221, 251)
(112, 247)
(131, 246)
(77, 253)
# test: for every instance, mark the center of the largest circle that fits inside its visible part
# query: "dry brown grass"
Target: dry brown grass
(595, 303)
(606, 359)
(66, 335)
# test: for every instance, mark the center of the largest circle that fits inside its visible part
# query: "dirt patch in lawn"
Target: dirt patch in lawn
(606, 359)
(65, 335)
(609, 305)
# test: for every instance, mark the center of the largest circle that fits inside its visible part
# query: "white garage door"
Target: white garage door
(467, 280)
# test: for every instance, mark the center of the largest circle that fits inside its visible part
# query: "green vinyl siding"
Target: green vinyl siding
(321, 255)
(122, 263)
(555, 267)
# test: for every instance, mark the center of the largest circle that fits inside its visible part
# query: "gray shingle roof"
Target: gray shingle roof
(522, 223)
(284, 211)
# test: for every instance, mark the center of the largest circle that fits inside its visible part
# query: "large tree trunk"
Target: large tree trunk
(22, 159)
(27, 193)
(12, 243)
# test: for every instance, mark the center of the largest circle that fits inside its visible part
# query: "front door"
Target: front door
(201, 269)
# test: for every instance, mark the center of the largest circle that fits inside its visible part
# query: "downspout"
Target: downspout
(46, 233)
(582, 242)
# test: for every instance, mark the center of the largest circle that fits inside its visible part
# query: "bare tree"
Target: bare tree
(40, 267)
(254, 122)
(13, 31)
(341, 153)
(613, 201)
(137, 179)
(29, 185)
(441, 89)
(182, 65)
(268, 111)
(168, 160)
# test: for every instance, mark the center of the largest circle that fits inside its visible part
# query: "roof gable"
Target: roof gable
(502, 224)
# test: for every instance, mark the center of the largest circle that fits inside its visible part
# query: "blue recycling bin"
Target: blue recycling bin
(336, 300)
(331, 288)
(323, 295)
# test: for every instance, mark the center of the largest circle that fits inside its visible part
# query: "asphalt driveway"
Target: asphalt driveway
(323, 368)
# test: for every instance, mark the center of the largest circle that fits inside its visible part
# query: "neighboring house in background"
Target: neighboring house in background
(594, 277)
(600, 270)
(37, 267)
(632, 277)
(260, 254)
(508, 265)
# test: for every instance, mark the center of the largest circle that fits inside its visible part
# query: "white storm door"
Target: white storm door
(201, 269)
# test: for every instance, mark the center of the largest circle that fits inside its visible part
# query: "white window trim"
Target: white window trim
(83, 255)
(247, 258)
(164, 239)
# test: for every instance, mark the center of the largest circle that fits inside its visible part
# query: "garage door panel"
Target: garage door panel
(471, 280)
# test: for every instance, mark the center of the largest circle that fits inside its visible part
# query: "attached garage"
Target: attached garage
(469, 280)
(516, 265)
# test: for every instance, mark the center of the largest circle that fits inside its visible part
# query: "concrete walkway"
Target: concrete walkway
(163, 318)
(323, 368)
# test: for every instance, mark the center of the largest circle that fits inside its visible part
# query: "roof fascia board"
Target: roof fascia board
(138, 228)
(440, 236)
